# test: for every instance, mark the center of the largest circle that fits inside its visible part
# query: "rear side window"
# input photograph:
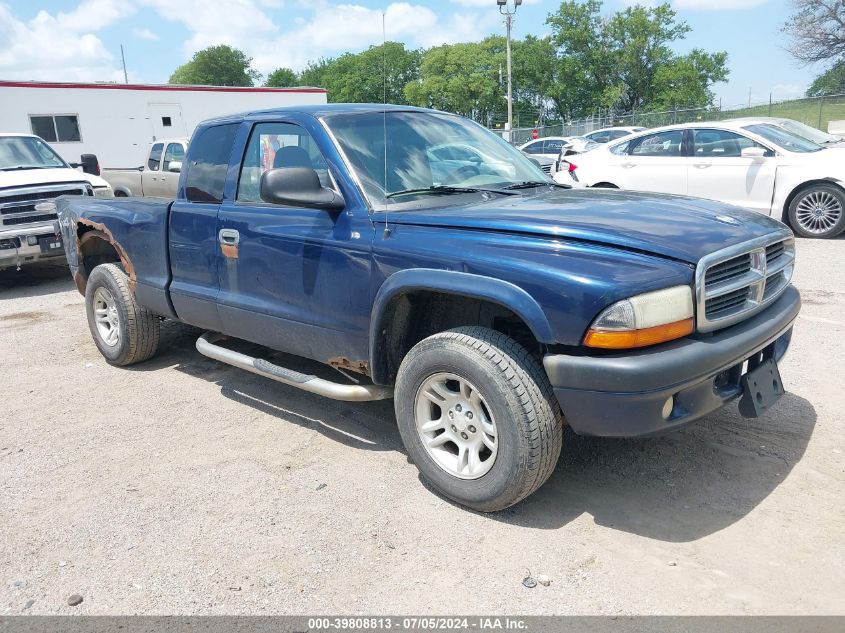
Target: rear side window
(208, 163)
(553, 147)
(663, 144)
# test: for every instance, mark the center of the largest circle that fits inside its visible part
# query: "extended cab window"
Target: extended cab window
(275, 145)
(154, 161)
(209, 162)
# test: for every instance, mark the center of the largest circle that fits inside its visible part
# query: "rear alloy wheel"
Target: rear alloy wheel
(124, 332)
(818, 211)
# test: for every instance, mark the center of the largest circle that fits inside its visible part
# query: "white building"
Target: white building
(118, 122)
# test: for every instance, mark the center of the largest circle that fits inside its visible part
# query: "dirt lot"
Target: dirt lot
(185, 486)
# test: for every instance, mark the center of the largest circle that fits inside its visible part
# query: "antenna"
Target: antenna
(123, 59)
(384, 110)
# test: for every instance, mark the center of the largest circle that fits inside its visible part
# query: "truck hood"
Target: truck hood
(30, 177)
(681, 228)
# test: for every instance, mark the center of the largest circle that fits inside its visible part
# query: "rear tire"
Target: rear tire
(124, 332)
(818, 211)
(504, 436)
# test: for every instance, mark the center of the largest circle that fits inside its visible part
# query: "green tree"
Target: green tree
(368, 77)
(461, 78)
(282, 78)
(315, 74)
(534, 74)
(686, 80)
(831, 82)
(217, 66)
(625, 61)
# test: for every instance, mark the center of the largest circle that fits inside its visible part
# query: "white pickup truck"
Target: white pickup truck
(158, 178)
(31, 175)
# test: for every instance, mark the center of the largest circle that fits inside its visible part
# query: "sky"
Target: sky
(79, 40)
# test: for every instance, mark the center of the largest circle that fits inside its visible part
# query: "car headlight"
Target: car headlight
(647, 319)
(103, 192)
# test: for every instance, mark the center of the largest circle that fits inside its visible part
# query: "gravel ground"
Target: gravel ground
(185, 486)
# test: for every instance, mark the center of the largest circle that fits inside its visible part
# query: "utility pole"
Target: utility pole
(123, 59)
(505, 10)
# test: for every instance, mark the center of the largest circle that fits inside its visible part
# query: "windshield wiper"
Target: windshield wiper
(444, 190)
(529, 184)
(21, 167)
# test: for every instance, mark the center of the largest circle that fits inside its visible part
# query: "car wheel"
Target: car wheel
(818, 211)
(124, 332)
(478, 417)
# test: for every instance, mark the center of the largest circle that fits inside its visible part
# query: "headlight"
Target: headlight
(103, 192)
(647, 319)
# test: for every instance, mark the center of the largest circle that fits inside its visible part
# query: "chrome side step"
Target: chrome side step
(336, 391)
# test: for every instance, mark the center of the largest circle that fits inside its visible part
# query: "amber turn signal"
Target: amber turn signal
(627, 339)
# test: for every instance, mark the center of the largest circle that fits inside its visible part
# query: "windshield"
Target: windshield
(811, 133)
(27, 152)
(784, 138)
(425, 153)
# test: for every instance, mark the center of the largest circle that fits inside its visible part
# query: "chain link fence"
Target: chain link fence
(817, 112)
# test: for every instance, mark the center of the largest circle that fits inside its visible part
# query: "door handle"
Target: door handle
(702, 165)
(628, 165)
(229, 237)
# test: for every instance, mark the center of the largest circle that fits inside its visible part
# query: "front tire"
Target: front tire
(478, 417)
(124, 332)
(818, 211)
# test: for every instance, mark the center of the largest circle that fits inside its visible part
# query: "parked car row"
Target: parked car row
(777, 167)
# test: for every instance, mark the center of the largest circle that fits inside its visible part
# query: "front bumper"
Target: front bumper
(625, 395)
(15, 247)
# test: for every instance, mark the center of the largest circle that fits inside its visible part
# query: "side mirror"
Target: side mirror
(753, 152)
(298, 187)
(175, 166)
(90, 164)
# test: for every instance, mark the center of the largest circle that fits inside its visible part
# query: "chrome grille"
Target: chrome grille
(739, 281)
(547, 168)
(17, 206)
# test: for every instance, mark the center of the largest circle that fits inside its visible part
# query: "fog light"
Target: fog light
(668, 406)
(31, 240)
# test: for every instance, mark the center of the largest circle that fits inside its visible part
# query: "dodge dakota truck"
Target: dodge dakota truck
(157, 178)
(493, 305)
(32, 175)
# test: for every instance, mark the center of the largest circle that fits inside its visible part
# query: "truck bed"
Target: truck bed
(144, 253)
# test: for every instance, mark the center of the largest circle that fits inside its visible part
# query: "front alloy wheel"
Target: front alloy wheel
(455, 426)
(478, 417)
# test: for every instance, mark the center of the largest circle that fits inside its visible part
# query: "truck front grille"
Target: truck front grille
(17, 206)
(737, 282)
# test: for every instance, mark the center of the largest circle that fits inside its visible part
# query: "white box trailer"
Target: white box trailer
(118, 122)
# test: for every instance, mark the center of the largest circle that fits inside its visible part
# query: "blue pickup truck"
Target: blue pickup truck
(494, 305)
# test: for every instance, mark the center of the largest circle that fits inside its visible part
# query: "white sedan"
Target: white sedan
(759, 166)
